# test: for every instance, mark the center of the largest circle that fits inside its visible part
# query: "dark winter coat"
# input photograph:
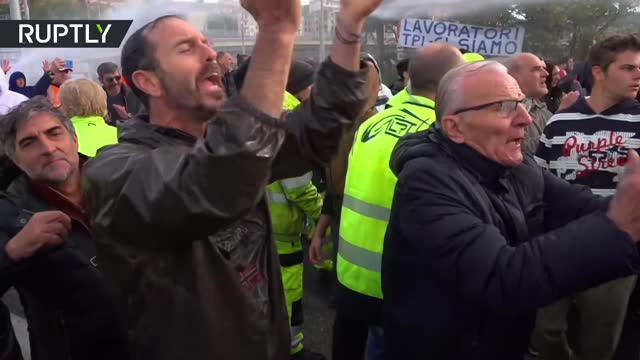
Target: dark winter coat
(474, 248)
(67, 306)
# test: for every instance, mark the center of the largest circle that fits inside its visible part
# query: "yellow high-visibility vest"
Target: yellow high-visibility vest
(369, 189)
(93, 133)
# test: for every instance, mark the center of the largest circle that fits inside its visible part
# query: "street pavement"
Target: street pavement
(318, 316)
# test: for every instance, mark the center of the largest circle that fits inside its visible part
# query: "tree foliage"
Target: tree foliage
(60, 9)
(569, 28)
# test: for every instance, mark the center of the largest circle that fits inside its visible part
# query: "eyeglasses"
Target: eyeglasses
(507, 107)
(113, 79)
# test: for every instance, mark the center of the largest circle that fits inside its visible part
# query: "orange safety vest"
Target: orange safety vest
(56, 92)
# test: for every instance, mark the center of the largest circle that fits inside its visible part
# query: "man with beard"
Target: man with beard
(121, 101)
(226, 62)
(180, 216)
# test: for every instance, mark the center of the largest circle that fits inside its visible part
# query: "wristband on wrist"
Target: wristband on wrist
(347, 38)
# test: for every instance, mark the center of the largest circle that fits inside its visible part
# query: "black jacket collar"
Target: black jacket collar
(487, 171)
(140, 131)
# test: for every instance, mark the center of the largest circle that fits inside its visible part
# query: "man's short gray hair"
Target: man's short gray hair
(14, 119)
(451, 92)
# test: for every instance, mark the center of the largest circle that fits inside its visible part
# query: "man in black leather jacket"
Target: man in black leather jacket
(46, 247)
(178, 207)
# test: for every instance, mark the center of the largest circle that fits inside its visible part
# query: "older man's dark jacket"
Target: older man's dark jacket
(183, 229)
(70, 313)
(474, 248)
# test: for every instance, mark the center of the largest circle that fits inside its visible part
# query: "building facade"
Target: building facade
(316, 23)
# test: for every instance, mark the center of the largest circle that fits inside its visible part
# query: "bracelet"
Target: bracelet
(352, 38)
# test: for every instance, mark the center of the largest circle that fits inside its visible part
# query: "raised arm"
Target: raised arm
(348, 33)
(339, 98)
(176, 192)
(278, 21)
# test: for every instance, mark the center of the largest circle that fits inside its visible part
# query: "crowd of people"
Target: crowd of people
(473, 209)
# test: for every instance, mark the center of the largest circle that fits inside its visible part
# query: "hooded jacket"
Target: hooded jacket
(40, 88)
(8, 98)
(474, 248)
(182, 225)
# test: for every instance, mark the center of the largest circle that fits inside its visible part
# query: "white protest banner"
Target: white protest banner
(490, 41)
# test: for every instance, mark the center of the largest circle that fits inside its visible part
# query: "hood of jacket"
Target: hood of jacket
(8, 98)
(13, 81)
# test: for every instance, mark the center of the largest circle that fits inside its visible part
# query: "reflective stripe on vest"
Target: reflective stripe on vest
(297, 182)
(278, 198)
(364, 208)
(367, 259)
(291, 201)
(369, 189)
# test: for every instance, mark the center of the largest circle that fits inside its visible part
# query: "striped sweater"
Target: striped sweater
(590, 149)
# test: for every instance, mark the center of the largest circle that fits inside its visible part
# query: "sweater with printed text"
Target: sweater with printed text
(590, 149)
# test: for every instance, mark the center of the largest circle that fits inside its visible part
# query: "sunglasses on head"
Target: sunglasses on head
(112, 79)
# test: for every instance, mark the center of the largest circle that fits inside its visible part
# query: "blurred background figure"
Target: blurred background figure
(8, 98)
(18, 82)
(384, 93)
(241, 58)
(227, 66)
(122, 103)
(85, 103)
(554, 96)
(60, 73)
(403, 77)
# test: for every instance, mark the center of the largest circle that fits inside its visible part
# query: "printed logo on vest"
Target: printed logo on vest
(393, 125)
